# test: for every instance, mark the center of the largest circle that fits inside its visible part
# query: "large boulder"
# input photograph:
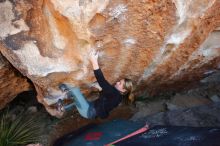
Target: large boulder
(161, 45)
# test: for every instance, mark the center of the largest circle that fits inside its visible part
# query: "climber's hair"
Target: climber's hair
(128, 86)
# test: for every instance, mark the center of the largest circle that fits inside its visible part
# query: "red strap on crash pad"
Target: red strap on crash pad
(145, 128)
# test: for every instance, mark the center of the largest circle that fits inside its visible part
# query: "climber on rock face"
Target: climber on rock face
(109, 97)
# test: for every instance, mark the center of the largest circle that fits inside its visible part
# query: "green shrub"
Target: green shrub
(22, 130)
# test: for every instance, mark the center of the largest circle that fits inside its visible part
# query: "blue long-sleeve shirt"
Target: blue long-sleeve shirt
(109, 97)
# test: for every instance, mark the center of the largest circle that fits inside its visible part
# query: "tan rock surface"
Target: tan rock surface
(161, 45)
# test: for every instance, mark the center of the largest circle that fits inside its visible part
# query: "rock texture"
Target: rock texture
(12, 82)
(200, 116)
(161, 45)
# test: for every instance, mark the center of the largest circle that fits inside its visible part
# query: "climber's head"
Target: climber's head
(125, 86)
